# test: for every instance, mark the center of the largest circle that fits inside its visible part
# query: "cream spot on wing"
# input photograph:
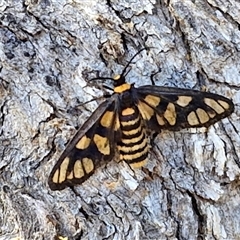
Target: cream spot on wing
(102, 144)
(192, 119)
(146, 111)
(211, 114)
(214, 105)
(117, 124)
(183, 101)
(223, 104)
(63, 170)
(83, 143)
(107, 119)
(88, 165)
(170, 114)
(152, 100)
(55, 176)
(70, 175)
(202, 115)
(78, 170)
(160, 120)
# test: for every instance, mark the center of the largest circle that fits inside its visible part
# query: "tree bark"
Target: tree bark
(49, 49)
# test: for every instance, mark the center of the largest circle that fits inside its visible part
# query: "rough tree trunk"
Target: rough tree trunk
(48, 49)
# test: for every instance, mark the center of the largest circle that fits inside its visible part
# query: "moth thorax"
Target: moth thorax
(126, 99)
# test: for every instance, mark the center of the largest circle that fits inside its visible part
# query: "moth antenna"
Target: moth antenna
(131, 60)
(101, 78)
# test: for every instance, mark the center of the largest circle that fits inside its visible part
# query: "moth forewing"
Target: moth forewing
(85, 127)
(93, 143)
(175, 108)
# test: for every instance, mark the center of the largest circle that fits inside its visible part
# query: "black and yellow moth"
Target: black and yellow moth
(123, 120)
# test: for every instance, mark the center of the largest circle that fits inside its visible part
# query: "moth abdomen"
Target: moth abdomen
(133, 145)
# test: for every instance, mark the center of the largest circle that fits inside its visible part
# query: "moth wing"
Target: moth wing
(92, 145)
(176, 108)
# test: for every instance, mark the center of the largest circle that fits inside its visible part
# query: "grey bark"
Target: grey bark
(190, 187)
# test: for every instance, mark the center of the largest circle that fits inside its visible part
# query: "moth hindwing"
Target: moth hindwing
(121, 123)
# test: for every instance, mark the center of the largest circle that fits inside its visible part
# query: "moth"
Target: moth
(122, 122)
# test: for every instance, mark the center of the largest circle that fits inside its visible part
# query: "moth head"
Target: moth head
(118, 80)
(116, 77)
